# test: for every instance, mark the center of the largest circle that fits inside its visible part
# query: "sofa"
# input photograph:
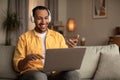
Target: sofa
(99, 63)
(7, 71)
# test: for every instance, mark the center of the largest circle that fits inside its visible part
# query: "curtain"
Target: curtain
(20, 7)
(53, 7)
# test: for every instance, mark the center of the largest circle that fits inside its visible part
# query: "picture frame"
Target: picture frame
(99, 8)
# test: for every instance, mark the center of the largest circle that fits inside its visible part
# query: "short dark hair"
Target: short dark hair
(40, 8)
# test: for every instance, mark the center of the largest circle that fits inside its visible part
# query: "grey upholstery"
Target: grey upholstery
(6, 68)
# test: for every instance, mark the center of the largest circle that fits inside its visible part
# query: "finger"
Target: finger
(70, 43)
(34, 56)
(75, 40)
(40, 57)
(77, 36)
(37, 56)
(30, 57)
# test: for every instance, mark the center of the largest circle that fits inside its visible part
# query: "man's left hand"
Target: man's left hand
(73, 42)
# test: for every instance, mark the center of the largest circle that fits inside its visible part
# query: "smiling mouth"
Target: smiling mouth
(42, 26)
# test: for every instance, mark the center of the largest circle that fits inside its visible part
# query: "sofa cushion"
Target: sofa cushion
(108, 68)
(91, 58)
(6, 67)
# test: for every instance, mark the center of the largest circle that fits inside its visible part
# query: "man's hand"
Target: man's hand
(34, 57)
(73, 42)
(30, 57)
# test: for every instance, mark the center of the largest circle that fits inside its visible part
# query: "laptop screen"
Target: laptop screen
(63, 59)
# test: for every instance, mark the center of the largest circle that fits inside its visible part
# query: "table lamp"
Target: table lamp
(71, 25)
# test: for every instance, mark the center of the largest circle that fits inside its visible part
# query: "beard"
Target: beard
(41, 28)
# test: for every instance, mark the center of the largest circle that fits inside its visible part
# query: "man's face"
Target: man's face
(41, 19)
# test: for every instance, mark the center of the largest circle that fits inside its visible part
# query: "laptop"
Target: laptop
(63, 59)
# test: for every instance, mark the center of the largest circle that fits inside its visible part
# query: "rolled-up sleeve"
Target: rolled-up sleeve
(19, 53)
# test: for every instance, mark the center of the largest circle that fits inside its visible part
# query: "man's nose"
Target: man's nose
(43, 20)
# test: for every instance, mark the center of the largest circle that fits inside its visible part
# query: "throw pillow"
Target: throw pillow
(108, 67)
(91, 58)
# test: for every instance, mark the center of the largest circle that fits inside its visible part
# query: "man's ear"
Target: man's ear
(49, 15)
(31, 18)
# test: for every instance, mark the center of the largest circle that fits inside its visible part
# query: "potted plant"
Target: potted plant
(11, 24)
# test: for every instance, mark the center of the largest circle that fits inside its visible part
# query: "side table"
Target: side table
(114, 40)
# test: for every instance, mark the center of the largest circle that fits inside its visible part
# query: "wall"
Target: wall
(62, 10)
(3, 9)
(32, 4)
(96, 31)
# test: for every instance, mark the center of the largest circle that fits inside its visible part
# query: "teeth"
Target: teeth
(43, 25)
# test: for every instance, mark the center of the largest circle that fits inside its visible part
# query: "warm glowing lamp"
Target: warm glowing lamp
(71, 25)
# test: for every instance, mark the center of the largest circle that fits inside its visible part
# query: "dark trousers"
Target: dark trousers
(39, 75)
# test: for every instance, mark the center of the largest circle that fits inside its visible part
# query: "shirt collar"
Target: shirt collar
(48, 33)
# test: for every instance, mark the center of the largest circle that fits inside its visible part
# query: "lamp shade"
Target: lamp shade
(71, 25)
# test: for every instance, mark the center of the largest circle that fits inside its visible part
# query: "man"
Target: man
(30, 50)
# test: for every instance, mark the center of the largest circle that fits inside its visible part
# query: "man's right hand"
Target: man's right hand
(33, 57)
(28, 58)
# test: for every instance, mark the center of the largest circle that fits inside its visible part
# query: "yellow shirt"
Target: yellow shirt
(29, 43)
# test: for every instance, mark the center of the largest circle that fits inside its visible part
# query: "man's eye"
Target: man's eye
(38, 18)
(46, 17)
